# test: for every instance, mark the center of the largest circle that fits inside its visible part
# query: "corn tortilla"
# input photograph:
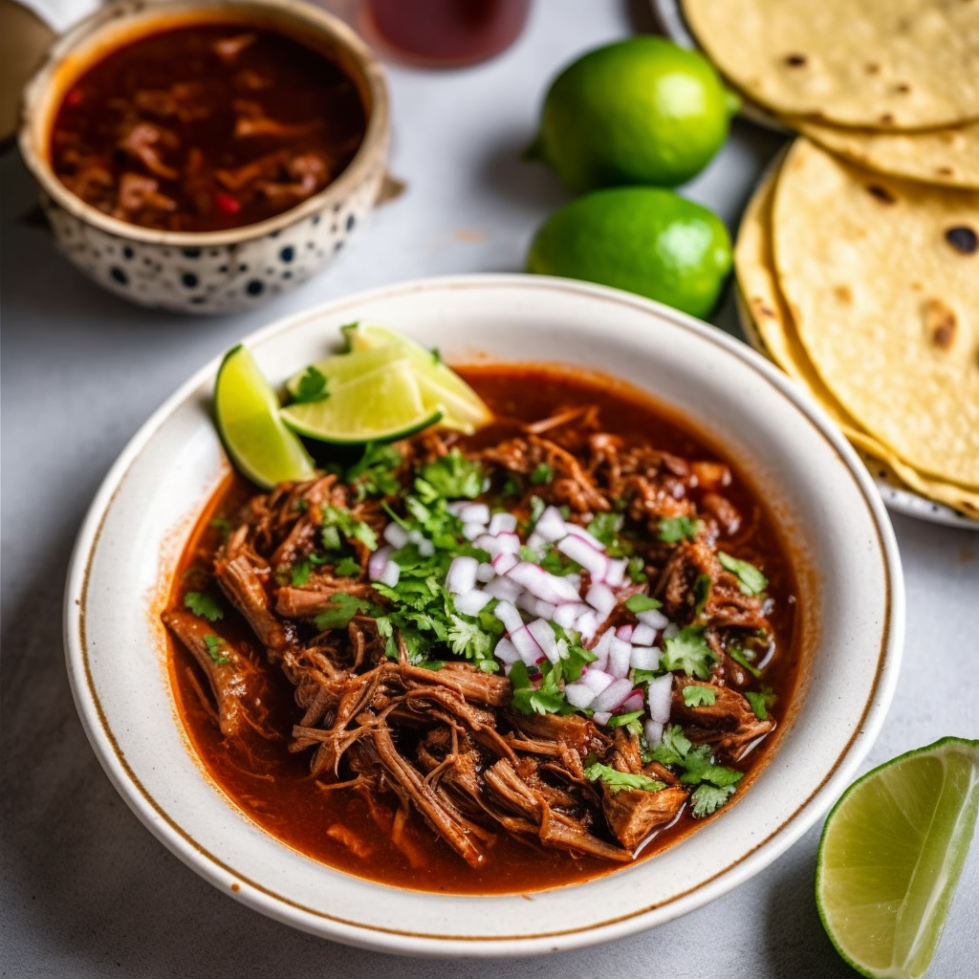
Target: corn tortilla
(893, 64)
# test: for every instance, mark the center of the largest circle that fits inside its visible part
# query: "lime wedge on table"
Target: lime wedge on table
(382, 405)
(462, 409)
(247, 412)
(891, 854)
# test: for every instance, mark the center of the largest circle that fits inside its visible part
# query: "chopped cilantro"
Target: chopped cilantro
(542, 474)
(574, 656)
(451, 477)
(373, 473)
(312, 386)
(750, 580)
(743, 656)
(335, 517)
(698, 766)
(557, 563)
(606, 526)
(299, 572)
(698, 696)
(537, 507)
(203, 606)
(511, 487)
(436, 355)
(761, 701)
(707, 798)
(222, 525)
(673, 746)
(330, 538)
(214, 646)
(672, 530)
(467, 638)
(642, 603)
(688, 652)
(701, 593)
(636, 570)
(547, 698)
(347, 567)
(630, 722)
(343, 608)
(617, 781)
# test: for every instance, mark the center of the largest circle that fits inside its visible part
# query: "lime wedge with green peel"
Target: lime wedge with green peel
(342, 368)
(382, 405)
(462, 409)
(247, 413)
(891, 854)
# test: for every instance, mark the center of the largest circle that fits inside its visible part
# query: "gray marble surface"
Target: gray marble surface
(85, 890)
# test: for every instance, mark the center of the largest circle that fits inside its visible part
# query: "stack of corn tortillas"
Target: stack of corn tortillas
(858, 258)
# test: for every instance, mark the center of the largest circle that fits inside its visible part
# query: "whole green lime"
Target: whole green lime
(640, 111)
(647, 240)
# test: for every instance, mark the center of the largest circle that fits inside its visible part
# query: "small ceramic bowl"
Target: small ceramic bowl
(851, 607)
(219, 271)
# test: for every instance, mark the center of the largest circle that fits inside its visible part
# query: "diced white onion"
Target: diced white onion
(615, 576)
(612, 697)
(509, 543)
(425, 547)
(654, 618)
(461, 576)
(565, 615)
(472, 602)
(526, 645)
(488, 543)
(485, 573)
(619, 657)
(535, 606)
(659, 697)
(544, 636)
(475, 513)
(601, 648)
(539, 582)
(457, 506)
(643, 635)
(601, 716)
(632, 702)
(536, 544)
(644, 658)
(390, 575)
(506, 651)
(579, 695)
(502, 522)
(601, 598)
(654, 732)
(671, 630)
(595, 680)
(378, 561)
(551, 525)
(573, 528)
(472, 530)
(507, 614)
(593, 561)
(624, 632)
(503, 562)
(395, 535)
(587, 625)
(504, 589)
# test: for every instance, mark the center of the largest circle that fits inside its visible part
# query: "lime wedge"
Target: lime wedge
(247, 413)
(891, 855)
(382, 405)
(342, 368)
(462, 409)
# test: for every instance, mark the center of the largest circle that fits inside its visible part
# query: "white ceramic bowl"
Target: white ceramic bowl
(852, 600)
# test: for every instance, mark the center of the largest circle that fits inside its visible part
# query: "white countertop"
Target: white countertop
(86, 891)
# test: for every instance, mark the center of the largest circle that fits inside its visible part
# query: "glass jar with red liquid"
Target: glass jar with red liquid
(446, 33)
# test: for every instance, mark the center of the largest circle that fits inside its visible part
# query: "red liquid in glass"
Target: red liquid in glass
(448, 33)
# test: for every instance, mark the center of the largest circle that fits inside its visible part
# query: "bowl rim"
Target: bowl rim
(392, 939)
(39, 92)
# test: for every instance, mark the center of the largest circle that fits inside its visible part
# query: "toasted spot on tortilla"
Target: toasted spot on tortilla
(940, 324)
(881, 193)
(795, 60)
(843, 293)
(963, 239)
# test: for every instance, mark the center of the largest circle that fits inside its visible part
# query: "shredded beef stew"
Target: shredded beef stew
(359, 715)
(206, 127)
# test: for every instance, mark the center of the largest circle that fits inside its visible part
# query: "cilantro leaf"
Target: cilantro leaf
(741, 655)
(606, 526)
(701, 593)
(617, 781)
(698, 696)
(299, 572)
(761, 701)
(688, 652)
(630, 722)
(699, 767)
(673, 746)
(547, 698)
(451, 477)
(672, 530)
(636, 570)
(343, 521)
(214, 646)
(642, 603)
(541, 474)
(373, 473)
(347, 567)
(750, 580)
(467, 638)
(203, 606)
(312, 386)
(343, 608)
(707, 799)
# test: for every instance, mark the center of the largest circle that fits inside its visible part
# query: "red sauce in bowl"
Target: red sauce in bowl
(206, 127)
